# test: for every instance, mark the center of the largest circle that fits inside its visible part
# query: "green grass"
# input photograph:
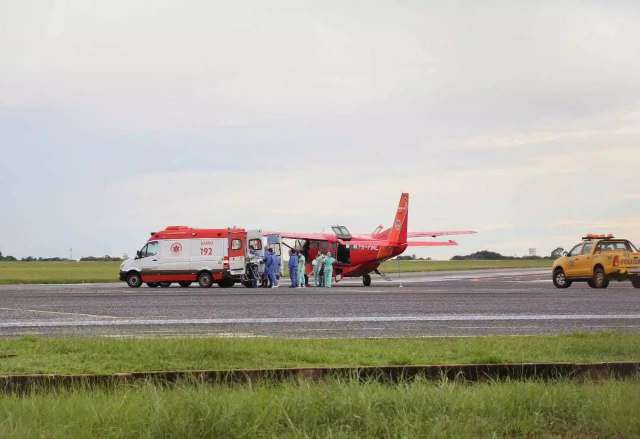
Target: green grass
(335, 409)
(58, 272)
(421, 266)
(109, 355)
(92, 272)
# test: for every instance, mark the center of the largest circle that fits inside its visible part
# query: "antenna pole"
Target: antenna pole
(400, 280)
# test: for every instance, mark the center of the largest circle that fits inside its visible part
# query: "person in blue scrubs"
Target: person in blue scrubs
(270, 268)
(293, 268)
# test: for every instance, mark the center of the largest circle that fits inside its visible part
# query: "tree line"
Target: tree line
(105, 258)
(488, 255)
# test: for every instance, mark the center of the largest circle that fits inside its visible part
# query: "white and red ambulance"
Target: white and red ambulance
(185, 255)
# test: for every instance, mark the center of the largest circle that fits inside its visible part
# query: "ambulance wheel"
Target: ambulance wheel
(560, 279)
(635, 281)
(366, 280)
(165, 284)
(185, 284)
(152, 284)
(226, 283)
(205, 280)
(599, 278)
(134, 280)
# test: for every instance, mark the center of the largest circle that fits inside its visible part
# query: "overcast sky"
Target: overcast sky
(518, 119)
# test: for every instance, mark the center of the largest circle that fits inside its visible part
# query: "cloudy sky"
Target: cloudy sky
(518, 119)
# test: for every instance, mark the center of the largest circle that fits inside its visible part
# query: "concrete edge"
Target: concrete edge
(466, 372)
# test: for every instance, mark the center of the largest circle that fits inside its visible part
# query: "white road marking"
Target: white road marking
(60, 313)
(354, 319)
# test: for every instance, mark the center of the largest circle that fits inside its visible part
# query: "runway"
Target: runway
(465, 303)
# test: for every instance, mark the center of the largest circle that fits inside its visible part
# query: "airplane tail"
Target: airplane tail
(397, 234)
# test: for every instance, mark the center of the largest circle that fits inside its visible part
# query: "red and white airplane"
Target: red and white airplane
(360, 255)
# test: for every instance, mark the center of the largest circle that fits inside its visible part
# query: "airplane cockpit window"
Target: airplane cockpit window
(341, 232)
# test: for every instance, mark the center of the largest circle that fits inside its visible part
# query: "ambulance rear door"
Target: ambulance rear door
(274, 242)
(237, 246)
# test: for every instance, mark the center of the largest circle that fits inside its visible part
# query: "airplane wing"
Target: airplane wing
(409, 244)
(364, 242)
(431, 243)
(313, 236)
(442, 233)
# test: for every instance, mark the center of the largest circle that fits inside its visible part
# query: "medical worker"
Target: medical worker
(278, 268)
(302, 270)
(316, 264)
(328, 269)
(293, 268)
(270, 268)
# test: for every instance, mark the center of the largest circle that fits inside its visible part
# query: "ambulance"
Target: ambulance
(184, 255)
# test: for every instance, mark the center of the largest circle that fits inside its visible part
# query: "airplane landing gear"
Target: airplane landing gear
(366, 280)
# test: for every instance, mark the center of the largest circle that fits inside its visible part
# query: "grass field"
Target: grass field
(108, 355)
(421, 266)
(91, 272)
(58, 272)
(328, 408)
(334, 409)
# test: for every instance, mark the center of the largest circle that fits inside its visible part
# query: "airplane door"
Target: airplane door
(343, 254)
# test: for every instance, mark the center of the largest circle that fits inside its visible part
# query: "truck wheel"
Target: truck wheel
(560, 279)
(635, 281)
(205, 280)
(366, 280)
(134, 280)
(227, 283)
(152, 284)
(185, 284)
(165, 284)
(599, 278)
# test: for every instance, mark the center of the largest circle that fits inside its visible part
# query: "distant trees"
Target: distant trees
(105, 258)
(41, 259)
(555, 254)
(7, 258)
(411, 258)
(487, 255)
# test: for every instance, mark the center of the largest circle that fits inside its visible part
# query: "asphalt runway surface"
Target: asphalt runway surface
(465, 303)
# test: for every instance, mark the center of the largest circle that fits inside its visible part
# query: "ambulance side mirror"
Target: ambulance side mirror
(138, 254)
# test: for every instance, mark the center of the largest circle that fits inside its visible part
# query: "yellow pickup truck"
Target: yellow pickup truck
(597, 260)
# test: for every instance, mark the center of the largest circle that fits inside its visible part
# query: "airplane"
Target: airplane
(360, 255)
